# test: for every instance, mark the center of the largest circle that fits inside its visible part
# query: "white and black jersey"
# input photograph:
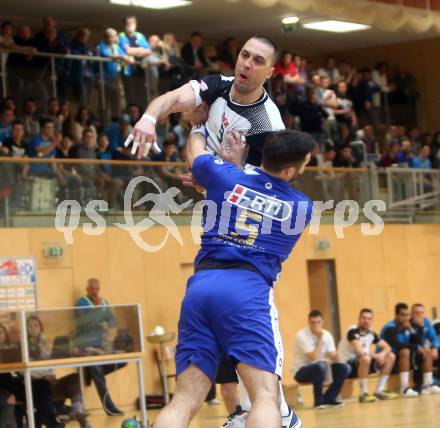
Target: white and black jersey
(255, 120)
(367, 339)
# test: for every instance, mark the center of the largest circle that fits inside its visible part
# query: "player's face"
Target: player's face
(418, 314)
(366, 321)
(254, 66)
(402, 318)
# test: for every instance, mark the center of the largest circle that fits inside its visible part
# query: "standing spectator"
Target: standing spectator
(403, 98)
(331, 71)
(423, 161)
(286, 67)
(430, 343)
(355, 349)
(403, 341)
(109, 48)
(348, 73)
(380, 98)
(43, 146)
(81, 75)
(366, 89)
(50, 40)
(30, 118)
(228, 56)
(83, 120)
(300, 87)
(391, 155)
(156, 61)
(176, 75)
(329, 101)
(370, 140)
(193, 54)
(312, 116)
(405, 154)
(20, 66)
(134, 44)
(344, 112)
(315, 359)
(6, 118)
(279, 94)
(415, 135)
(93, 328)
(7, 409)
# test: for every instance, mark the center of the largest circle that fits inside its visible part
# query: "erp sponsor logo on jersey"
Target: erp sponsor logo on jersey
(260, 203)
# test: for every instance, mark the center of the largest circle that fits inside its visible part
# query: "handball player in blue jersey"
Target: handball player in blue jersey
(252, 222)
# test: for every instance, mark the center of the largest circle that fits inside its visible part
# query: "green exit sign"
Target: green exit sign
(54, 251)
(322, 244)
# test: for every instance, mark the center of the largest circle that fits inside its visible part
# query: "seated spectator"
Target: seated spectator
(390, 156)
(117, 132)
(30, 117)
(193, 54)
(315, 360)
(329, 101)
(430, 343)
(345, 158)
(370, 140)
(228, 56)
(182, 130)
(405, 154)
(423, 161)
(347, 73)
(43, 145)
(300, 87)
(134, 44)
(83, 120)
(415, 136)
(109, 48)
(279, 94)
(16, 144)
(80, 73)
(7, 409)
(103, 152)
(407, 347)
(53, 113)
(67, 175)
(401, 133)
(6, 118)
(287, 68)
(67, 387)
(355, 349)
(344, 112)
(93, 328)
(436, 327)
(9, 103)
(331, 71)
(66, 118)
(134, 112)
(312, 116)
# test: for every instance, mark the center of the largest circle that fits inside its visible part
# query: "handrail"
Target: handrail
(18, 160)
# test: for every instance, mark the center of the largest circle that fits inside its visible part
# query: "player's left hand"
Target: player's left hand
(189, 180)
(234, 148)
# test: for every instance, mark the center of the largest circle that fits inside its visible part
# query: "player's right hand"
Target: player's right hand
(189, 180)
(143, 137)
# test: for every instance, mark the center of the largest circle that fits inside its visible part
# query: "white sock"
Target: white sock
(364, 386)
(245, 401)
(427, 379)
(284, 407)
(404, 380)
(381, 383)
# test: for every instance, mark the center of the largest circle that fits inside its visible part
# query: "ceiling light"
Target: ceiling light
(153, 4)
(290, 20)
(336, 26)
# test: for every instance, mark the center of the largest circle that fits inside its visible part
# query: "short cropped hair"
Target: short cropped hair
(268, 42)
(399, 307)
(286, 148)
(365, 311)
(315, 314)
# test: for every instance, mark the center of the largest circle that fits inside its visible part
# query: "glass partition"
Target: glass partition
(10, 338)
(81, 332)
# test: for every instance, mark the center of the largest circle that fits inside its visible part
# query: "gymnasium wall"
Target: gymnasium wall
(417, 57)
(402, 264)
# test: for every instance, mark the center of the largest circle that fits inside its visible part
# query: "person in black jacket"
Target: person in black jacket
(193, 53)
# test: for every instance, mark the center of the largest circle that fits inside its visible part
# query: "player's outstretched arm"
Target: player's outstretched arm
(196, 143)
(143, 134)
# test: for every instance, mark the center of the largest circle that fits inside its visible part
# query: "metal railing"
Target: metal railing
(53, 72)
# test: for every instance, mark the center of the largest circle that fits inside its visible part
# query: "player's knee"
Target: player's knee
(391, 357)
(321, 369)
(268, 394)
(365, 360)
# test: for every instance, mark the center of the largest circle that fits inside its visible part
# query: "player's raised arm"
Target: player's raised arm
(143, 134)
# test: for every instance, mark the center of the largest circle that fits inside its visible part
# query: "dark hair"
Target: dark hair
(7, 338)
(5, 24)
(399, 307)
(45, 120)
(268, 42)
(80, 110)
(129, 17)
(285, 52)
(196, 34)
(417, 305)
(29, 99)
(17, 122)
(365, 311)
(286, 148)
(315, 314)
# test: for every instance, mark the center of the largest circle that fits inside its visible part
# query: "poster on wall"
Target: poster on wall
(17, 283)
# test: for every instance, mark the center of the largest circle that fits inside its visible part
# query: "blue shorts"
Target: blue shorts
(229, 312)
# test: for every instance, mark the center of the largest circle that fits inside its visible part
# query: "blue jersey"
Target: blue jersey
(250, 217)
(427, 333)
(399, 338)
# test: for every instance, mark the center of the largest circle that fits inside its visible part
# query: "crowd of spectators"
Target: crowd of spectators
(408, 343)
(356, 116)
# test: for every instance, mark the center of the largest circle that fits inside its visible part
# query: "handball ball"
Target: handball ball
(131, 423)
(159, 330)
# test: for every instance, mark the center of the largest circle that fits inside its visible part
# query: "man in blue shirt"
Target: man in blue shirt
(252, 221)
(135, 44)
(43, 145)
(7, 117)
(431, 344)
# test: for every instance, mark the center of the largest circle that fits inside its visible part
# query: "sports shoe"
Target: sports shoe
(430, 389)
(334, 403)
(291, 420)
(320, 406)
(367, 398)
(409, 393)
(385, 395)
(213, 402)
(236, 419)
